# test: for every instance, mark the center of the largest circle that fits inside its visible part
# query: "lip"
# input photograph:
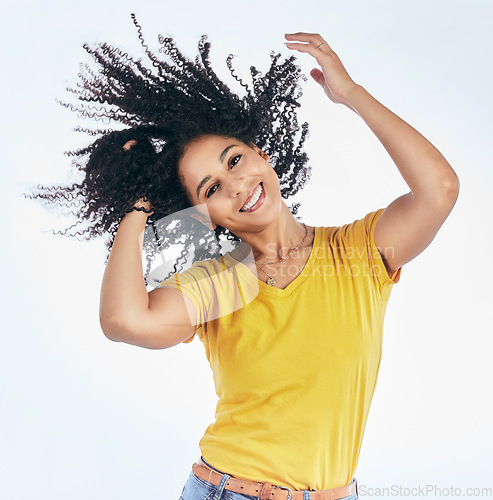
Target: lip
(250, 195)
(259, 203)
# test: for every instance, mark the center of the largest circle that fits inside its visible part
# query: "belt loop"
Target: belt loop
(354, 479)
(220, 488)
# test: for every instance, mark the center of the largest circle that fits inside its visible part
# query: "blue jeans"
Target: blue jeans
(198, 489)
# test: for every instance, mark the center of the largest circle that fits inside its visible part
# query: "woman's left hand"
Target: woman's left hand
(334, 78)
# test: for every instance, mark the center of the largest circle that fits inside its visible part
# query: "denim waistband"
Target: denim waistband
(221, 472)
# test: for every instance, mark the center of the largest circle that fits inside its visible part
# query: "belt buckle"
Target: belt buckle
(290, 492)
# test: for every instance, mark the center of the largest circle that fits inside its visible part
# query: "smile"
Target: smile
(255, 200)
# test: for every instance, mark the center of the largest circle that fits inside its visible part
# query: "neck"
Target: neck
(276, 240)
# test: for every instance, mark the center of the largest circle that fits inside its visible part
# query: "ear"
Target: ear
(204, 220)
(264, 155)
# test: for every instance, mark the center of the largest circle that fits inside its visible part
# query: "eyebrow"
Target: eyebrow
(207, 178)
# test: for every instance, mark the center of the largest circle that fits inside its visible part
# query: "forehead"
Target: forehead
(201, 156)
(206, 148)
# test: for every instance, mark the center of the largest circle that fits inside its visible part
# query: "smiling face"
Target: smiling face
(233, 181)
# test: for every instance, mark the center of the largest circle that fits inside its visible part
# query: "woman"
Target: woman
(291, 319)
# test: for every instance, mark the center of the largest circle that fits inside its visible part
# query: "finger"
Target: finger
(303, 37)
(320, 47)
(318, 76)
(311, 38)
(304, 47)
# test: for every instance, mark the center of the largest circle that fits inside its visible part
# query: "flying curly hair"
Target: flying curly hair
(162, 107)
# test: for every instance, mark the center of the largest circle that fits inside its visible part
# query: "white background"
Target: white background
(86, 418)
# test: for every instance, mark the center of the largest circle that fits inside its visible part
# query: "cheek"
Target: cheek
(210, 208)
(219, 206)
(274, 184)
(220, 209)
(203, 209)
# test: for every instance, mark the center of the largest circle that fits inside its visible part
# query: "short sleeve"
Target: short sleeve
(375, 258)
(214, 289)
(191, 284)
(361, 235)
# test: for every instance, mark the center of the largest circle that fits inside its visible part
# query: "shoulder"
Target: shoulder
(358, 229)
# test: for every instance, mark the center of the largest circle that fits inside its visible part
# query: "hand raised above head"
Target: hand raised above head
(333, 76)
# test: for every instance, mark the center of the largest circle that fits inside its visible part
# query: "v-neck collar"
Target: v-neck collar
(252, 279)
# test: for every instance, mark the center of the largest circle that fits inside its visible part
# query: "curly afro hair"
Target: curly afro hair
(163, 106)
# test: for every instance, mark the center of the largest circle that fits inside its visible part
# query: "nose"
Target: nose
(236, 185)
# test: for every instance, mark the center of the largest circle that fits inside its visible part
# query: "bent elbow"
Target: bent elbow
(452, 193)
(446, 193)
(452, 187)
(112, 328)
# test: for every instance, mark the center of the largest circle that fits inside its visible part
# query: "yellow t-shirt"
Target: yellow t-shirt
(294, 369)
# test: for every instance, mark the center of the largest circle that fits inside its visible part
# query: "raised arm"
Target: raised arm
(128, 313)
(410, 223)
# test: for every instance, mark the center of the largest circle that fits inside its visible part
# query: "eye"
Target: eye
(234, 160)
(232, 163)
(211, 191)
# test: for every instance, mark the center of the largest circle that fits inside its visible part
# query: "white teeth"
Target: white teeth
(256, 196)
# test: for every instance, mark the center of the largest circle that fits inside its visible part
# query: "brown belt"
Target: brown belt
(267, 491)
